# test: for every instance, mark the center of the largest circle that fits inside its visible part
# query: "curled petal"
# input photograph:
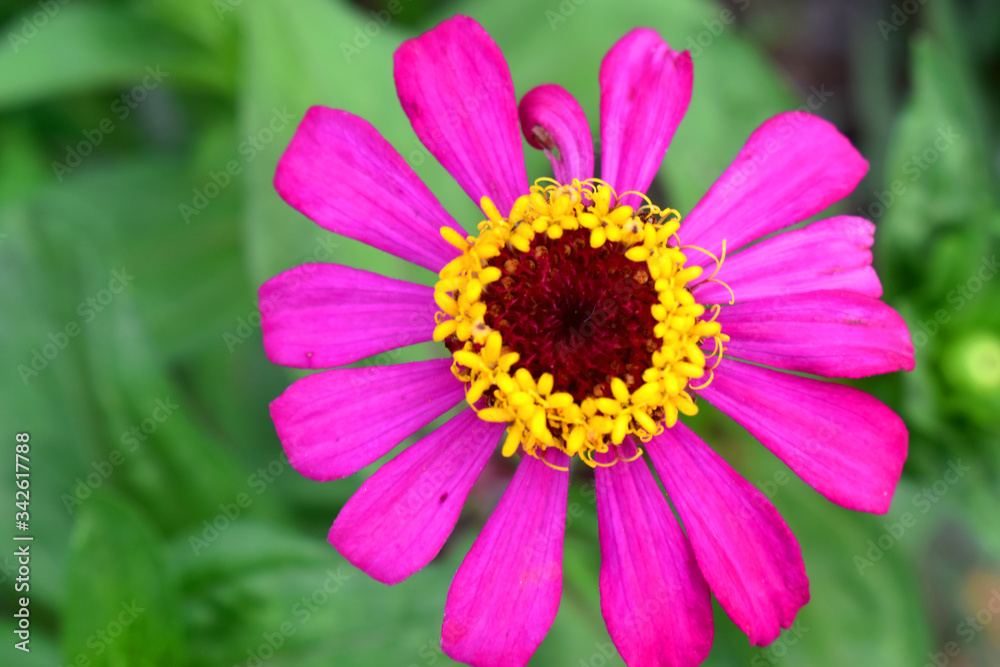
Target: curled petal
(553, 121)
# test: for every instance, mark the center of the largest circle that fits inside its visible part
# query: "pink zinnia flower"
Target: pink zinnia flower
(581, 321)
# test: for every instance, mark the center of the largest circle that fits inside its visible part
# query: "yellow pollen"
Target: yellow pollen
(540, 414)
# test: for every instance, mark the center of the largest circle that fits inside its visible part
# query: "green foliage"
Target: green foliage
(134, 166)
(119, 608)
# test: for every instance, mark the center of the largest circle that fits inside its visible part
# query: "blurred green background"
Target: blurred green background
(138, 140)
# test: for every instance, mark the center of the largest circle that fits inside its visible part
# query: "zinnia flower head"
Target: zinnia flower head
(582, 321)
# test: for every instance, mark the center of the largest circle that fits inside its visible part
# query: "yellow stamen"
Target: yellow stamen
(540, 413)
(454, 238)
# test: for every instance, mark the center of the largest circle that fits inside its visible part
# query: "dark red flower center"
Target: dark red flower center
(580, 313)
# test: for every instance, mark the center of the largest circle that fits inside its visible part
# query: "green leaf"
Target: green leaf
(262, 590)
(45, 388)
(21, 160)
(865, 605)
(938, 171)
(186, 270)
(295, 60)
(79, 47)
(171, 462)
(939, 235)
(44, 651)
(121, 605)
(210, 23)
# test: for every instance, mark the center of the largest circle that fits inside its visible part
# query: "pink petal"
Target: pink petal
(653, 596)
(342, 174)
(831, 254)
(552, 120)
(834, 334)
(645, 91)
(750, 558)
(326, 315)
(332, 424)
(843, 442)
(506, 593)
(455, 87)
(402, 515)
(792, 166)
